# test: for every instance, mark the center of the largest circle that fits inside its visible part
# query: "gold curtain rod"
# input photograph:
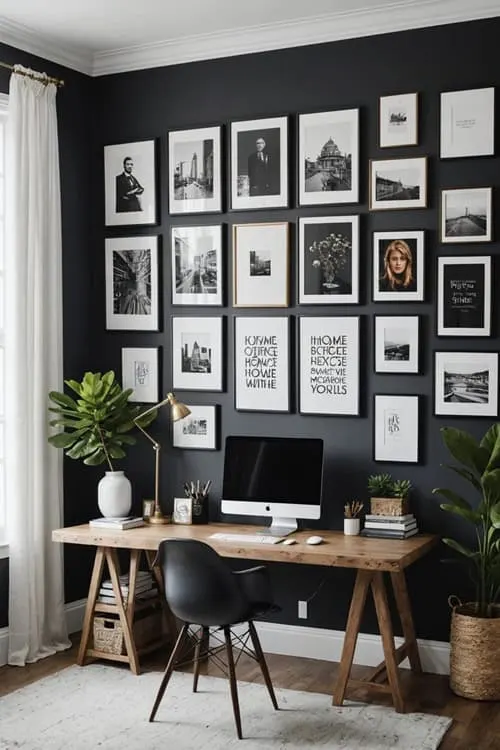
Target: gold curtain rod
(37, 76)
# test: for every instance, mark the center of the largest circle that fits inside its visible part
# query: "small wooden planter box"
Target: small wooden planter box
(389, 506)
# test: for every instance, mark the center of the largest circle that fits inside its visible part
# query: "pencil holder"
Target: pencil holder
(198, 493)
(200, 509)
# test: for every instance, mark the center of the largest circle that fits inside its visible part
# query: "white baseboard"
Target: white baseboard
(4, 645)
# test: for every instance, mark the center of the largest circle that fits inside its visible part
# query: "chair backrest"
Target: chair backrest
(199, 587)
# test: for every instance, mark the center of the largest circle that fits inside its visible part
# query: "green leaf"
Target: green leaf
(466, 474)
(465, 449)
(115, 451)
(495, 516)
(99, 457)
(452, 497)
(459, 548)
(75, 386)
(62, 440)
(125, 440)
(491, 485)
(80, 449)
(468, 515)
(491, 443)
(62, 400)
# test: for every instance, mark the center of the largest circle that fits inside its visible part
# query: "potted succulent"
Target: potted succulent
(389, 497)
(475, 626)
(95, 428)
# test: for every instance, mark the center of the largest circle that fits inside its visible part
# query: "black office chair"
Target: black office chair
(201, 590)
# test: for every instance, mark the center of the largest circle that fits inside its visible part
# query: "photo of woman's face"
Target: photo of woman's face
(397, 262)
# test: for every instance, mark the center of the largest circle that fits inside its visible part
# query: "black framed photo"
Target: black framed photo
(261, 364)
(197, 268)
(194, 171)
(396, 343)
(396, 428)
(199, 430)
(130, 183)
(261, 264)
(398, 266)
(197, 353)
(398, 120)
(466, 384)
(259, 163)
(329, 260)
(132, 283)
(466, 215)
(464, 296)
(398, 183)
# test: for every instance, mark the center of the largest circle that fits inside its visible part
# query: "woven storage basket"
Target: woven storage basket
(475, 654)
(389, 506)
(109, 637)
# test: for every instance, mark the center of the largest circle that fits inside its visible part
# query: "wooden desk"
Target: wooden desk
(370, 557)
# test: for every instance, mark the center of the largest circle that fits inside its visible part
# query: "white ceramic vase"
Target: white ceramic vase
(114, 495)
(351, 526)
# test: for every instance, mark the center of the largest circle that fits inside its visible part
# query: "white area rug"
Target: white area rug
(105, 707)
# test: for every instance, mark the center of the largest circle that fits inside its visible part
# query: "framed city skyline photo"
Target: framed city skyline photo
(466, 215)
(464, 296)
(130, 183)
(132, 283)
(466, 384)
(261, 265)
(398, 183)
(396, 343)
(198, 430)
(329, 260)
(140, 372)
(396, 429)
(197, 267)
(259, 163)
(398, 266)
(329, 157)
(398, 120)
(194, 171)
(197, 353)
(468, 123)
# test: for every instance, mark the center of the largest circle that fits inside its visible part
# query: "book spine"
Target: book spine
(391, 526)
(384, 534)
(390, 519)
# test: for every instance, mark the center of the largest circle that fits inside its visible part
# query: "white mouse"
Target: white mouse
(290, 541)
(314, 540)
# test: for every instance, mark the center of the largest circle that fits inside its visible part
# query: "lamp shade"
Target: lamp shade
(178, 409)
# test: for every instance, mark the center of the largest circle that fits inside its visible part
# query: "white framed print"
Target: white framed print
(329, 157)
(466, 215)
(468, 123)
(396, 343)
(194, 171)
(398, 120)
(464, 296)
(398, 183)
(259, 163)
(198, 430)
(329, 260)
(130, 183)
(398, 266)
(466, 384)
(197, 353)
(132, 283)
(140, 372)
(197, 267)
(261, 364)
(261, 265)
(329, 365)
(396, 429)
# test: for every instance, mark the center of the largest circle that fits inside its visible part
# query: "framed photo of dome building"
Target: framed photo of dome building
(329, 157)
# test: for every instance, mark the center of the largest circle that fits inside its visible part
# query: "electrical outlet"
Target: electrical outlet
(302, 610)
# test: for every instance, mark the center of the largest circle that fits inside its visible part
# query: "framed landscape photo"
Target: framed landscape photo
(466, 384)
(329, 365)
(132, 283)
(396, 429)
(140, 372)
(468, 123)
(259, 163)
(130, 183)
(398, 183)
(329, 157)
(198, 430)
(398, 120)
(261, 265)
(396, 343)
(194, 171)
(464, 296)
(261, 364)
(398, 266)
(329, 260)
(197, 267)
(197, 353)
(466, 215)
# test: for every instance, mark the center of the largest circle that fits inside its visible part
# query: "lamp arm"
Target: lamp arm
(156, 444)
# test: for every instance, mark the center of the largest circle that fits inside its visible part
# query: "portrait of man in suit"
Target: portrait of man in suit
(128, 189)
(261, 170)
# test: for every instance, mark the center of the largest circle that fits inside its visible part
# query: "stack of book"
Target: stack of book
(390, 527)
(143, 588)
(127, 522)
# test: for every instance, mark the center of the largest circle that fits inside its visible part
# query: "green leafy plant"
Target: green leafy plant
(480, 467)
(401, 488)
(383, 485)
(97, 423)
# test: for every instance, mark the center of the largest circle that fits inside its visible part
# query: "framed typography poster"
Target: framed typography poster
(464, 296)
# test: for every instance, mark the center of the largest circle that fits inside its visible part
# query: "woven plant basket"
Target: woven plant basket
(475, 653)
(389, 506)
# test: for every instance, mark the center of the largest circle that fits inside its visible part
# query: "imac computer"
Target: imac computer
(278, 477)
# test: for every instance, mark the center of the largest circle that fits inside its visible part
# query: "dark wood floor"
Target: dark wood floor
(476, 726)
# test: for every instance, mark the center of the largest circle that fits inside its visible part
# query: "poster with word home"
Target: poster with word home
(329, 365)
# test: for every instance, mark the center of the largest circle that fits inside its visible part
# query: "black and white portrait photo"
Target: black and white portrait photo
(198, 430)
(140, 372)
(328, 157)
(329, 260)
(132, 283)
(259, 163)
(466, 383)
(398, 266)
(197, 353)
(398, 120)
(195, 170)
(261, 265)
(398, 183)
(197, 265)
(130, 183)
(464, 296)
(396, 343)
(466, 215)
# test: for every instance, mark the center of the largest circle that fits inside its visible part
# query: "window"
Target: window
(3, 122)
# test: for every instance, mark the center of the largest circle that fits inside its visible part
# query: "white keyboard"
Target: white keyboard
(248, 538)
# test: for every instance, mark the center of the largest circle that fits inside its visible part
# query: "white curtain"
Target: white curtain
(33, 366)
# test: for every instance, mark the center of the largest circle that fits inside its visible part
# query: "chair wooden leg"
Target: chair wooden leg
(179, 644)
(232, 681)
(202, 640)
(262, 663)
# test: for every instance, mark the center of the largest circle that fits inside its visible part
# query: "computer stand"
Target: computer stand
(281, 527)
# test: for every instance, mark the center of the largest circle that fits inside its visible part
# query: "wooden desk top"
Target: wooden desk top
(337, 550)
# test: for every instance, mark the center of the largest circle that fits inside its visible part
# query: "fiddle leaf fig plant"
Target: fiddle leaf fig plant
(96, 425)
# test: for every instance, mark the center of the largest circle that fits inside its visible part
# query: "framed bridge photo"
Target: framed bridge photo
(466, 384)
(398, 183)
(466, 215)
